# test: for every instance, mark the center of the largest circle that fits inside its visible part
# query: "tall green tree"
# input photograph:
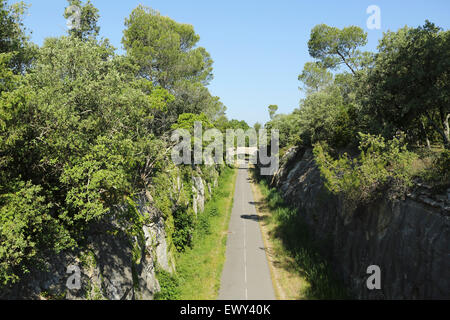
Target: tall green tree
(165, 50)
(289, 130)
(13, 37)
(318, 115)
(166, 54)
(409, 88)
(194, 97)
(315, 78)
(272, 111)
(84, 19)
(334, 47)
(75, 139)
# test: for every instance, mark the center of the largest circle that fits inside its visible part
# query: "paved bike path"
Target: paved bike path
(246, 273)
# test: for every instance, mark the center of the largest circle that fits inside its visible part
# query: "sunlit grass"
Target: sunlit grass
(199, 269)
(305, 268)
(289, 284)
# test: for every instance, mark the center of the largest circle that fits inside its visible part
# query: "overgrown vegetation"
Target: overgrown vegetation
(362, 101)
(169, 284)
(199, 265)
(378, 123)
(434, 168)
(84, 130)
(311, 261)
(381, 165)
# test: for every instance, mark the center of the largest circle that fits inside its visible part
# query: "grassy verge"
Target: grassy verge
(288, 283)
(199, 269)
(299, 269)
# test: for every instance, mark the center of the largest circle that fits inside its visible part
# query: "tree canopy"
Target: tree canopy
(334, 47)
(13, 37)
(402, 87)
(315, 77)
(164, 49)
(87, 26)
(83, 129)
(166, 54)
(409, 84)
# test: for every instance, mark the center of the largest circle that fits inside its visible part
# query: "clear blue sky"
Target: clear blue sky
(259, 47)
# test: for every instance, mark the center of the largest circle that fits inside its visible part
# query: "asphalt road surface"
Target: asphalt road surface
(246, 274)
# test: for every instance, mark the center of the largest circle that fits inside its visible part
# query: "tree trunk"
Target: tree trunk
(447, 130)
(444, 135)
(424, 130)
(346, 62)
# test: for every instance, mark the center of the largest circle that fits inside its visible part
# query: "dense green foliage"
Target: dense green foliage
(333, 47)
(368, 117)
(409, 87)
(201, 258)
(13, 38)
(401, 89)
(165, 52)
(200, 267)
(169, 284)
(83, 130)
(89, 16)
(438, 172)
(364, 179)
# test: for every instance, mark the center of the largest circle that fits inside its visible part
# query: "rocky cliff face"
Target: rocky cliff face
(120, 265)
(408, 239)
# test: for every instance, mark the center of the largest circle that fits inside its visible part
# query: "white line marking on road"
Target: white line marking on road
(245, 259)
(245, 253)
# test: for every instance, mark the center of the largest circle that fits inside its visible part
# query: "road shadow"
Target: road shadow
(260, 205)
(297, 250)
(252, 217)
